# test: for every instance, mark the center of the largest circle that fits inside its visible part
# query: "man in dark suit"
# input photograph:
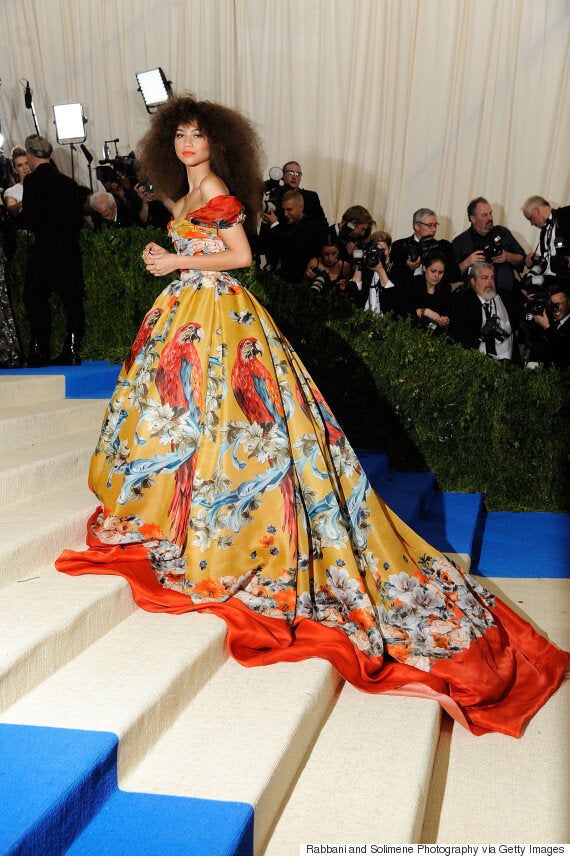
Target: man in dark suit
(554, 243)
(52, 208)
(552, 346)
(293, 244)
(313, 209)
(484, 317)
(408, 253)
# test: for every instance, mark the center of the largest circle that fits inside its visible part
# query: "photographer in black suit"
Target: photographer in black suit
(410, 253)
(52, 208)
(545, 330)
(552, 255)
(484, 317)
(376, 283)
(293, 244)
(312, 207)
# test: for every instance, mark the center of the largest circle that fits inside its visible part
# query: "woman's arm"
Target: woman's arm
(440, 320)
(13, 205)
(309, 272)
(160, 262)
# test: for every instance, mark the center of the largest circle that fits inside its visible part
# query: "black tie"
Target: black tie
(490, 346)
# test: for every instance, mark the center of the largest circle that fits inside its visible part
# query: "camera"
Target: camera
(420, 249)
(271, 190)
(492, 329)
(108, 169)
(345, 234)
(537, 268)
(494, 245)
(322, 281)
(373, 256)
(370, 256)
(538, 290)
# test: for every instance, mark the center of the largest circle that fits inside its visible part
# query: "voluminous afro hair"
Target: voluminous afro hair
(235, 151)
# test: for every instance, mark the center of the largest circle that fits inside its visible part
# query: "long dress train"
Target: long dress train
(227, 485)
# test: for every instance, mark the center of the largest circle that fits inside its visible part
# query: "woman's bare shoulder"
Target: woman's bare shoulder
(212, 186)
(177, 209)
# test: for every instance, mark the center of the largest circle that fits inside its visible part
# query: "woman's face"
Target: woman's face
(434, 273)
(191, 146)
(21, 167)
(329, 256)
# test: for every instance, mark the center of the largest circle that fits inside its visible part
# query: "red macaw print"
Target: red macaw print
(142, 337)
(257, 393)
(333, 429)
(179, 380)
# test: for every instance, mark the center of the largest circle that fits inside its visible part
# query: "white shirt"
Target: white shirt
(16, 192)
(373, 302)
(504, 349)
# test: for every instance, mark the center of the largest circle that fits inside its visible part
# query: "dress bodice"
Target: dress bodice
(199, 232)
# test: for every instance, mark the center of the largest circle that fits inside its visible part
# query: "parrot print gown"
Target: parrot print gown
(226, 484)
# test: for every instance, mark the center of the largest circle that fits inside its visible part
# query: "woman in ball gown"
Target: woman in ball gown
(226, 484)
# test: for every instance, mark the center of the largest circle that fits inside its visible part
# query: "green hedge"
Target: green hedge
(478, 424)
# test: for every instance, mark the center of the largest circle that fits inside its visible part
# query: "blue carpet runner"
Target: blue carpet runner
(62, 797)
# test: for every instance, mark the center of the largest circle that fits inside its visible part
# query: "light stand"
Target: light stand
(154, 87)
(69, 126)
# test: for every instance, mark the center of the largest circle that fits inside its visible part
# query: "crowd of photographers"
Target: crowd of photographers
(50, 209)
(481, 289)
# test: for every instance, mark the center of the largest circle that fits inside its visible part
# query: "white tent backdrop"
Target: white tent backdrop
(393, 104)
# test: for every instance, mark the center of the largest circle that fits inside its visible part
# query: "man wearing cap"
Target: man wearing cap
(52, 206)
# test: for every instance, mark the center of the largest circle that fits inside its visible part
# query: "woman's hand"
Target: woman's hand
(159, 261)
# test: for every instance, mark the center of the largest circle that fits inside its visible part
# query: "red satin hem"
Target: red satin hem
(497, 684)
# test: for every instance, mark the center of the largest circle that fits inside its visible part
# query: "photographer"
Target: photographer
(484, 317)
(485, 242)
(328, 273)
(432, 301)
(552, 255)
(546, 324)
(353, 231)
(292, 245)
(410, 253)
(374, 285)
(118, 184)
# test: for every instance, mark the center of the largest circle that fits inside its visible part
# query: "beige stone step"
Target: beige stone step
(134, 681)
(244, 738)
(18, 389)
(372, 760)
(33, 532)
(48, 619)
(523, 794)
(30, 424)
(32, 470)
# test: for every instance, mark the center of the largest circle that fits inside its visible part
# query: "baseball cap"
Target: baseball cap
(37, 145)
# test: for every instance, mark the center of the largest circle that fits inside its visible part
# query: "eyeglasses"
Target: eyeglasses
(293, 172)
(428, 225)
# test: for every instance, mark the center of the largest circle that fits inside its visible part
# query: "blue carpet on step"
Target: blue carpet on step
(92, 379)
(525, 545)
(60, 788)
